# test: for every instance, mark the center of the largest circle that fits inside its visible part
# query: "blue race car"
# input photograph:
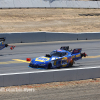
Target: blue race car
(2, 45)
(60, 58)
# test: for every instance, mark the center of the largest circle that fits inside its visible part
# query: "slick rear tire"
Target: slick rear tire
(71, 63)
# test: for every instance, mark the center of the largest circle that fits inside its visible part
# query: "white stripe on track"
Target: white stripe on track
(56, 70)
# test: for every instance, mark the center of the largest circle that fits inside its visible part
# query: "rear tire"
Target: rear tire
(71, 63)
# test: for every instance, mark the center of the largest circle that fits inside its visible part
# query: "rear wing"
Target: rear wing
(2, 39)
(78, 50)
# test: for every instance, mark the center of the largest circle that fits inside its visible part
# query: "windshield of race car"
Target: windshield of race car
(57, 54)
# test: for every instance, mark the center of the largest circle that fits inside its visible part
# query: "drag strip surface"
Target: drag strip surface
(13, 61)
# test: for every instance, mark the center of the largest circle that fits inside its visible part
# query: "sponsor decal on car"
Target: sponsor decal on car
(64, 61)
(78, 55)
(42, 59)
(73, 56)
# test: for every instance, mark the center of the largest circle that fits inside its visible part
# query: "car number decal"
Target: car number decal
(56, 63)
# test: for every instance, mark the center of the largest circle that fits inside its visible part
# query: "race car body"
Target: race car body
(60, 58)
(2, 45)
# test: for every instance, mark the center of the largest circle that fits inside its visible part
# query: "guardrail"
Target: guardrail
(47, 36)
(47, 76)
(48, 4)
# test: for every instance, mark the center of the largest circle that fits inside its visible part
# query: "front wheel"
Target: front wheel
(49, 66)
(58, 67)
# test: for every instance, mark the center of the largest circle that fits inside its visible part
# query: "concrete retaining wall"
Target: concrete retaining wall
(24, 37)
(47, 76)
(47, 36)
(48, 4)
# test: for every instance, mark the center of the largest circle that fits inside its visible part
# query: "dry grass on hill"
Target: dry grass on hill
(52, 20)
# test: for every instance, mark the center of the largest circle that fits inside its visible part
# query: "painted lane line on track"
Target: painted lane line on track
(56, 70)
(98, 56)
(15, 61)
(10, 62)
(19, 60)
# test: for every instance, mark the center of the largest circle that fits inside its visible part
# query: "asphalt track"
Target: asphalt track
(14, 61)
